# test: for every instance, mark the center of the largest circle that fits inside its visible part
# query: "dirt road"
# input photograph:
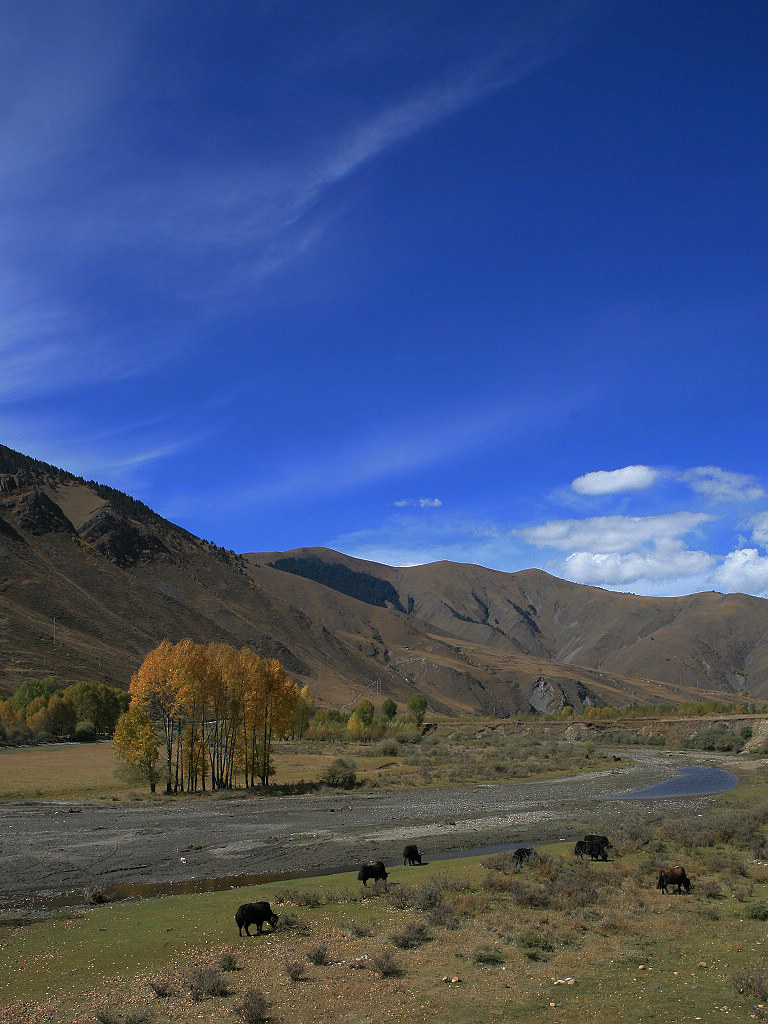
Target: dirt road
(54, 853)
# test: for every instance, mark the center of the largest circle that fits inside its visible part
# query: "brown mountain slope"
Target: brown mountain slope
(703, 642)
(91, 580)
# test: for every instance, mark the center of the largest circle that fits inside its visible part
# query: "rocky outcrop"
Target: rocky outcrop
(120, 540)
(37, 514)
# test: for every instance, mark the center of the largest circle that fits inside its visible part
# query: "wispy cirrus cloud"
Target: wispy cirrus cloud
(418, 503)
(719, 484)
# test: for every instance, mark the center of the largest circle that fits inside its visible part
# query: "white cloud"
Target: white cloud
(614, 569)
(612, 533)
(743, 571)
(418, 503)
(720, 485)
(645, 552)
(630, 478)
(760, 529)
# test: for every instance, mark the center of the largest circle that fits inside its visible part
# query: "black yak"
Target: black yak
(255, 913)
(373, 869)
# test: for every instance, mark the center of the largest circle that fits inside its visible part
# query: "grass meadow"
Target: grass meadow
(72, 771)
(560, 939)
(472, 940)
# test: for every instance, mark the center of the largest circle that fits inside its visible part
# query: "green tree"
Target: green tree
(365, 712)
(342, 772)
(30, 690)
(417, 705)
(388, 710)
(305, 706)
(135, 741)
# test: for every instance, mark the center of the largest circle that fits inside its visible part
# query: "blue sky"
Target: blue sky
(416, 281)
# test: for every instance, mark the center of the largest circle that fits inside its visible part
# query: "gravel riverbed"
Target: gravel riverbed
(52, 853)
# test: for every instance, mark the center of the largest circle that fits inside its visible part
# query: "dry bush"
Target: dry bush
(575, 885)
(534, 942)
(359, 929)
(108, 1012)
(752, 982)
(205, 982)
(253, 1007)
(319, 955)
(227, 962)
(289, 920)
(503, 861)
(300, 897)
(616, 923)
(444, 915)
(527, 894)
(489, 956)
(415, 933)
(164, 986)
(401, 897)
(707, 912)
(385, 964)
(710, 888)
(295, 969)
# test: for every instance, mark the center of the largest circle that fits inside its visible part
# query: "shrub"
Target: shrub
(164, 986)
(207, 981)
(443, 916)
(85, 732)
(489, 955)
(295, 969)
(386, 748)
(108, 1013)
(711, 889)
(228, 961)
(290, 920)
(341, 773)
(359, 929)
(413, 934)
(531, 939)
(319, 955)
(385, 964)
(752, 982)
(253, 1007)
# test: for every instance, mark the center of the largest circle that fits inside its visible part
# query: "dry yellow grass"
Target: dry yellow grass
(61, 771)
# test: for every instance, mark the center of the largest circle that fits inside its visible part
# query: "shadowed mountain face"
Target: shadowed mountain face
(107, 579)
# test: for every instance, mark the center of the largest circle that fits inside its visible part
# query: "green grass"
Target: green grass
(604, 926)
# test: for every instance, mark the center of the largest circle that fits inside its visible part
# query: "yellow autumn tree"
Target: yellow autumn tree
(153, 688)
(219, 708)
(135, 741)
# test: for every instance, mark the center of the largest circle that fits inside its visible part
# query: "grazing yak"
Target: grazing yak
(255, 913)
(596, 846)
(523, 855)
(411, 855)
(674, 876)
(593, 845)
(373, 869)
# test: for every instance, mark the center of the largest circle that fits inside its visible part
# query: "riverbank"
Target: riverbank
(54, 853)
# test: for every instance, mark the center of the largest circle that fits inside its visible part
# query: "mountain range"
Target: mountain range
(91, 580)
